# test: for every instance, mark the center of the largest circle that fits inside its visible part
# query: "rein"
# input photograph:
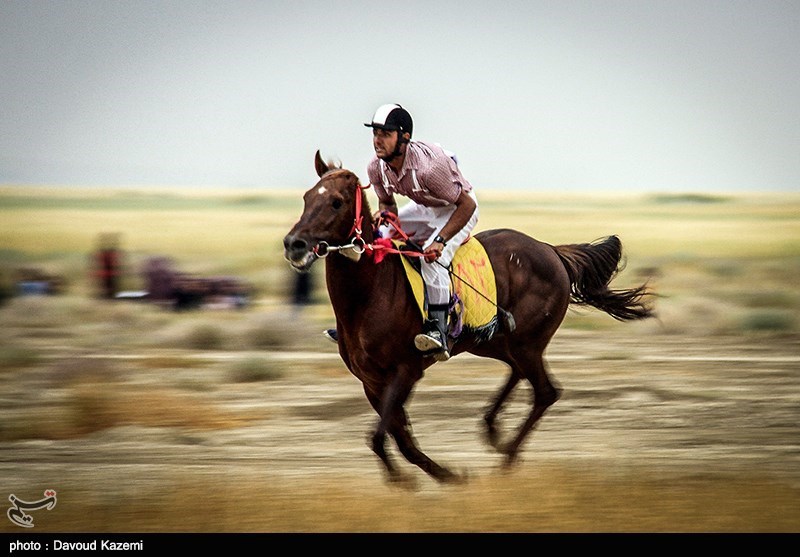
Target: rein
(358, 246)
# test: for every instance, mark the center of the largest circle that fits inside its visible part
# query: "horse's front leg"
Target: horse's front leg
(408, 446)
(388, 403)
(393, 420)
(377, 440)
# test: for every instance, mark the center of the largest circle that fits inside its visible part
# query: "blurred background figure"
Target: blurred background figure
(108, 265)
(301, 295)
(159, 277)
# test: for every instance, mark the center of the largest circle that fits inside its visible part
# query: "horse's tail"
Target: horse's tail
(591, 267)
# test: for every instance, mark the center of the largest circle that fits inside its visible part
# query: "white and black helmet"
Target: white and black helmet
(392, 117)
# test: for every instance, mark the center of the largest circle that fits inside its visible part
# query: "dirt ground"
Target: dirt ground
(662, 433)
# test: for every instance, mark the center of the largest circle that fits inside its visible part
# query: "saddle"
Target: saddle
(473, 290)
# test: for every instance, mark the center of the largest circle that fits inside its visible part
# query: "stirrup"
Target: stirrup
(427, 342)
(442, 355)
(332, 335)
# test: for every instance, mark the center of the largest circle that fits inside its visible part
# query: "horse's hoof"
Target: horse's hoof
(492, 437)
(491, 433)
(510, 460)
(459, 479)
(449, 477)
(402, 481)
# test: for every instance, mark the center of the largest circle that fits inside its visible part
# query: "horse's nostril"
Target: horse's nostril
(293, 243)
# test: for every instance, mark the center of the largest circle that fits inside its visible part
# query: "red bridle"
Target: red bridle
(357, 243)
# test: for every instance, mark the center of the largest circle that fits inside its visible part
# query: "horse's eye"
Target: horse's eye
(337, 203)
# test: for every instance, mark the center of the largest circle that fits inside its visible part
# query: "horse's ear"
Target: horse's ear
(320, 165)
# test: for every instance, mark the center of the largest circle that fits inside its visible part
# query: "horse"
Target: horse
(377, 317)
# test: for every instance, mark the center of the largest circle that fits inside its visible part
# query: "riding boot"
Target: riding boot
(332, 335)
(434, 337)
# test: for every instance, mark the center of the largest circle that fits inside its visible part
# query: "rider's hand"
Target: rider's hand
(433, 252)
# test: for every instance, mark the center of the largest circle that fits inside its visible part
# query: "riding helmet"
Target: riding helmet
(392, 117)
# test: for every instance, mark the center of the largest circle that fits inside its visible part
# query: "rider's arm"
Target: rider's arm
(465, 206)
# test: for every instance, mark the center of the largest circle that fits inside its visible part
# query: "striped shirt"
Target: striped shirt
(429, 177)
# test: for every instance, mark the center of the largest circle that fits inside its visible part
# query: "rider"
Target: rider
(441, 212)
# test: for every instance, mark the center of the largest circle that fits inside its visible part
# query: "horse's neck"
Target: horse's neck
(345, 274)
(349, 281)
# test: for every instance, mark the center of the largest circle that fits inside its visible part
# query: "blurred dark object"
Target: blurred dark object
(302, 289)
(159, 278)
(108, 265)
(35, 282)
(183, 291)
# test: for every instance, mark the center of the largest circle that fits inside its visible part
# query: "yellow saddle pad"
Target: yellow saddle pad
(472, 279)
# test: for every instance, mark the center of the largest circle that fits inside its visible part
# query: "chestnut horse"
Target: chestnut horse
(377, 316)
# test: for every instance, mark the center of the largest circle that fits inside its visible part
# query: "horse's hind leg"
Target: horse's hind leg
(545, 394)
(490, 417)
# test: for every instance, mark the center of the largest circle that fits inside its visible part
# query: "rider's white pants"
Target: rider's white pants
(423, 224)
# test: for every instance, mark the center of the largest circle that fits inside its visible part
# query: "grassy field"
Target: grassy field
(721, 265)
(730, 259)
(724, 268)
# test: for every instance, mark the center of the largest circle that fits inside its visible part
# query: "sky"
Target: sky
(550, 96)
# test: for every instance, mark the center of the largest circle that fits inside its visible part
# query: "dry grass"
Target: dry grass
(547, 499)
(76, 397)
(73, 368)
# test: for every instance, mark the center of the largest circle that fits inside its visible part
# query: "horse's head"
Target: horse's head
(331, 219)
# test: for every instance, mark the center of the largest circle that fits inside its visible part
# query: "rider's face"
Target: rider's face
(384, 142)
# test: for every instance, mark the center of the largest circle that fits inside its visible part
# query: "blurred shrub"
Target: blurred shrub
(726, 269)
(252, 370)
(14, 357)
(768, 299)
(689, 198)
(93, 407)
(205, 336)
(281, 330)
(269, 337)
(768, 320)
